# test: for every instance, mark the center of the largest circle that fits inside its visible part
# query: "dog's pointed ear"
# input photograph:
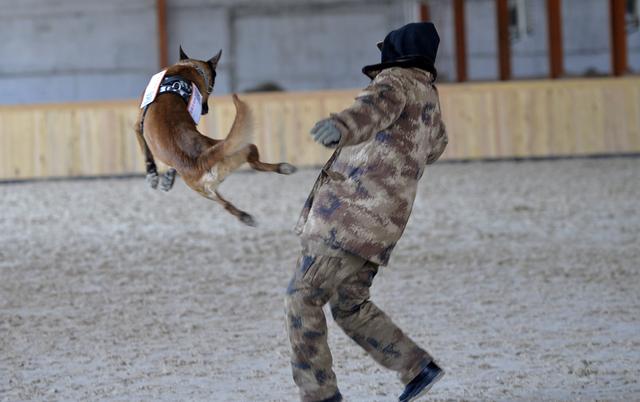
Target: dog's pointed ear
(215, 59)
(183, 55)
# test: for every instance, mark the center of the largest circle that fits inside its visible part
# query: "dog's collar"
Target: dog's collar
(207, 84)
(178, 85)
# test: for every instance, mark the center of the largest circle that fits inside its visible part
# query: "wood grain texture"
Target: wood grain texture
(484, 120)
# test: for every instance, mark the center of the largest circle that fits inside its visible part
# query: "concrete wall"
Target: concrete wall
(75, 49)
(586, 40)
(69, 50)
(302, 49)
(202, 29)
(297, 46)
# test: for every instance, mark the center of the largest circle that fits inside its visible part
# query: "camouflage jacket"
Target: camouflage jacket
(362, 200)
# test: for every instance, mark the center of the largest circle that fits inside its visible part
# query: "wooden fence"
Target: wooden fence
(484, 120)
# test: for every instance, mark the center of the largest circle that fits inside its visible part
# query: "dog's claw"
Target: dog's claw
(248, 220)
(152, 179)
(285, 168)
(168, 179)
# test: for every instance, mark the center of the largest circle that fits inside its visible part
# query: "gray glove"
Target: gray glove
(326, 133)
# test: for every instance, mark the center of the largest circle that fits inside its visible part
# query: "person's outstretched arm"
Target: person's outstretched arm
(376, 108)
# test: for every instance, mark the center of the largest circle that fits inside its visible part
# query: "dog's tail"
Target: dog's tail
(242, 128)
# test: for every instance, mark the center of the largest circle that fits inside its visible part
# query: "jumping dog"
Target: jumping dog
(167, 131)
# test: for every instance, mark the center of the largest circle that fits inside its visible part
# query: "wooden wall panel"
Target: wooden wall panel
(484, 120)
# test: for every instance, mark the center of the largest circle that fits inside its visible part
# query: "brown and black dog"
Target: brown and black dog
(167, 131)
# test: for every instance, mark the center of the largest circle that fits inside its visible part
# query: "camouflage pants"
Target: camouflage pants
(343, 282)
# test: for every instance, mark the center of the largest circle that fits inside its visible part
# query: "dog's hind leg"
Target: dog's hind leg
(150, 164)
(253, 158)
(212, 194)
(229, 207)
(249, 154)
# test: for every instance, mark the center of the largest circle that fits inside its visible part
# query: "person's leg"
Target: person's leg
(372, 329)
(314, 281)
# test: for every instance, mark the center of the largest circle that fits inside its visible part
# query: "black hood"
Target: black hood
(413, 45)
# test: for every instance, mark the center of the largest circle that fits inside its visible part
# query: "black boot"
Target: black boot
(422, 383)
(337, 397)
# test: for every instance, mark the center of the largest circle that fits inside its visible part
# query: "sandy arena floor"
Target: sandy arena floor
(523, 279)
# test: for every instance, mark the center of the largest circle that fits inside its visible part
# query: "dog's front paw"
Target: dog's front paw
(285, 168)
(248, 220)
(153, 179)
(168, 178)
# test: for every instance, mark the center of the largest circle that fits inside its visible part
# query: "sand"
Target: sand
(522, 279)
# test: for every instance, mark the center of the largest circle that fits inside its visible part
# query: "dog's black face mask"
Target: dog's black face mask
(205, 105)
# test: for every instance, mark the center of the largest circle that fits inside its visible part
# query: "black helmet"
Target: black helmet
(413, 45)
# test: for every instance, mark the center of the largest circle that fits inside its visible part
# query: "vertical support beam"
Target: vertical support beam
(554, 33)
(504, 47)
(461, 40)
(425, 13)
(618, 37)
(232, 18)
(163, 55)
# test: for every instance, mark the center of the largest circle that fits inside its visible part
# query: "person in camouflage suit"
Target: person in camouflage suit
(357, 211)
